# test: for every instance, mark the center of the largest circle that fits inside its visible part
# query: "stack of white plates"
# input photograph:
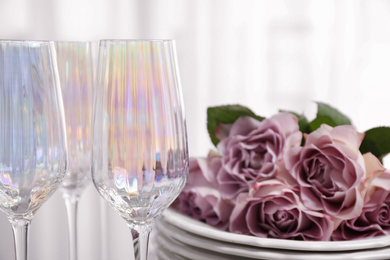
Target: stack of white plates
(177, 237)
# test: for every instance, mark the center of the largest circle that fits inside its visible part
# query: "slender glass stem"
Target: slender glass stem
(20, 230)
(71, 202)
(104, 229)
(141, 235)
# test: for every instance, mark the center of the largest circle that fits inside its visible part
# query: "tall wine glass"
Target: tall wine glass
(75, 66)
(33, 149)
(140, 154)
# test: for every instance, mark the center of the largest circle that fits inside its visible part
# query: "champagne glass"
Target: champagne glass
(33, 149)
(75, 66)
(140, 153)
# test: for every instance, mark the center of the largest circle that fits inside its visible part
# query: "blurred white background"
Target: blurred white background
(265, 54)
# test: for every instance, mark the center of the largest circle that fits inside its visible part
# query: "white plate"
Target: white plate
(176, 242)
(177, 250)
(201, 229)
(190, 245)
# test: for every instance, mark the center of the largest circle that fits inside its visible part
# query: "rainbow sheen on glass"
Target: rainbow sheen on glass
(33, 150)
(140, 153)
(75, 66)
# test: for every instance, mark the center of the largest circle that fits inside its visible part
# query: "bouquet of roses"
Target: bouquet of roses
(290, 178)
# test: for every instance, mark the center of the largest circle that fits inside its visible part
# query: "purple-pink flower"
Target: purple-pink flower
(275, 211)
(265, 181)
(252, 151)
(329, 170)
(200, 197)
(375, 217)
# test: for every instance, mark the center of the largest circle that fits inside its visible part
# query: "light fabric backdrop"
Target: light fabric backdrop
(266, 54)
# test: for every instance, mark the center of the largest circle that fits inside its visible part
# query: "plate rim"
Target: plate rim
(229, 251)
(199, 228)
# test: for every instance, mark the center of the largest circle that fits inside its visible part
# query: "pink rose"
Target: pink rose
(375, 217)
(275, 211)
(200, 197)
(253, 149)
(328, 170)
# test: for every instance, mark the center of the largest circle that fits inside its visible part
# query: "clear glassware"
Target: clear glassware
(33, 148)
(140, 151)
(76, 72)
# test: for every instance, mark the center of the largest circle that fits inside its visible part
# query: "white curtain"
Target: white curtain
(265, 54)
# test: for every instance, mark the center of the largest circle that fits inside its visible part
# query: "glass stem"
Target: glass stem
(141, 241)
(20, 230)
(71, 202)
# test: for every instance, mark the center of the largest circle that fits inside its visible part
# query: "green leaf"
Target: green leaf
(226, 115)
(337, 117)
(319, 120)
(376, 141)
(303, 123)
(328, 115)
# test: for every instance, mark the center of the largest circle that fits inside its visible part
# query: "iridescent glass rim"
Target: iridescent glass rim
(25, 41)
(71, 41)
(137, 40)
